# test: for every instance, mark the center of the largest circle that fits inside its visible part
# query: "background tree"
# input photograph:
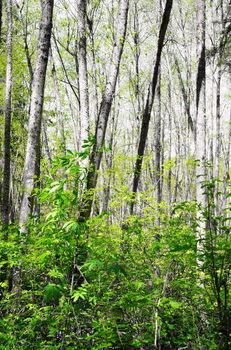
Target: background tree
(150, 98)
(105, 106)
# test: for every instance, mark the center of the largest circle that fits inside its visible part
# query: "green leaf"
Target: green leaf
(52, 293)
(81, 293)
(174, 304)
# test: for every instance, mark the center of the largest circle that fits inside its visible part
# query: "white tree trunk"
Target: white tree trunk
(7, 131)
(36, 106)
(105, 106)
(60, 124)
(83, 79)
(201, 129)
(201, 108)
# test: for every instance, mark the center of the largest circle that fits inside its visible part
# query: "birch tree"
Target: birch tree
(0, 21)
(36, 106)
(105, 106)
(201, 106)
(7, 131)
(82, 70)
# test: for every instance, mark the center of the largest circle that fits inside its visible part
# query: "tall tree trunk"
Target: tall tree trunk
(137, 58)
(36, 106)
(7, 131)
(201, 107)
(46, 144)
(0, 21)
(218, 135)
(59, 114)
(150, 98)
(218, 112)
(157, 155)
(105, 107)
(95, 80)
(184, 95)
(23, 19)
(82, 61)
(200, 133)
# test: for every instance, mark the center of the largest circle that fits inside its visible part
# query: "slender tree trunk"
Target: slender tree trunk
(201, 107)
(73, 88)
(218, 136)
(74, 121)
(95, 80)
(0, 21)
(24, 24)
(184, 95)
(105, 107)
(150, 99)
(200, 136)
(157, 155)
(46, 144)
(37, 184)
(83, 79)
(59, 114)
(36, 106)
(170, 148)
(137, 58)
(7, 131)
(109, 164)
(218, 115)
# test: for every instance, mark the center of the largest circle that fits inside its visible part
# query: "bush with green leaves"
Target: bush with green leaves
(114, 284)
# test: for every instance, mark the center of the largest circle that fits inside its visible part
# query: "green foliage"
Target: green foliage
(114, 284)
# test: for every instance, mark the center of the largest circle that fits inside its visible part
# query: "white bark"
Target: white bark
(105, 106)
(36, 106)
(7, 131)
(83, 79)
(60, 124)
(201, 131)
(201, 108)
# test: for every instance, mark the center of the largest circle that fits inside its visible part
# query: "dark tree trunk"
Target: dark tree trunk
(150, 99)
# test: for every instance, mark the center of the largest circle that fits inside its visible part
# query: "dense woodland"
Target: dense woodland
(115, 145)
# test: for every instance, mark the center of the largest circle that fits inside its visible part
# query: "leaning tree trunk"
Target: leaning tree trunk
(150, 99)
(105, 108)
(36, 106)
(7, 131)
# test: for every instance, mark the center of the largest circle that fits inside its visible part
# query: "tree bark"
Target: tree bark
(150, 99)
(83, 79)
(158, 146)
(200, 135)
(46, 144)
(105, 108)
(60, 124)
(36, 106)
(7, 131)
(0, 21)
(201, 107)
(184, 95)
